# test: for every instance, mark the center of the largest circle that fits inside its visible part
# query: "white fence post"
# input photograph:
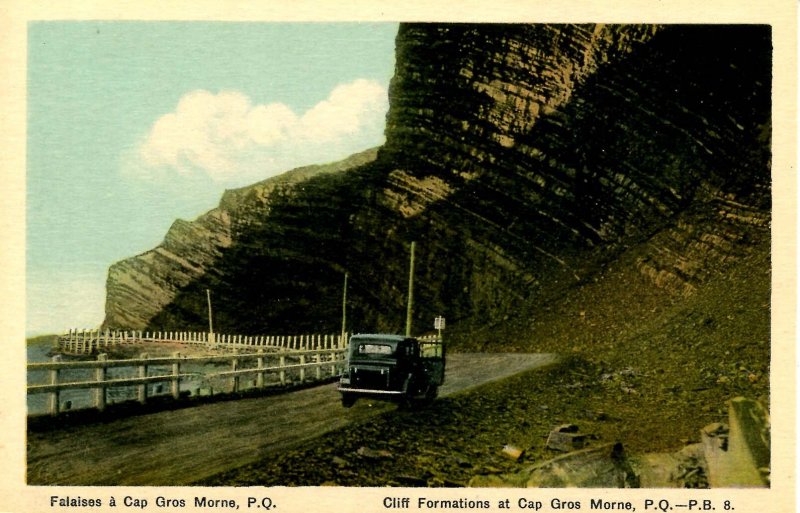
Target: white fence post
(100, 378)
(142, 388)
(176, 383)
(260, 375)
(234, 377)
(54, 395)
(302, 369)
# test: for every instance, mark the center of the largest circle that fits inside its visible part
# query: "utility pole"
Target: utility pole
(344, 308)
(210, 322)
(410, 308)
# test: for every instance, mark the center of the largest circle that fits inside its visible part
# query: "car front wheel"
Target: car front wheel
(348, 400)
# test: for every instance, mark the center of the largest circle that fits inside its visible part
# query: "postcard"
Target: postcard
(351, 256)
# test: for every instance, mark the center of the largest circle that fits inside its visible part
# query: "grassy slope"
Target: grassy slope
(647, 369)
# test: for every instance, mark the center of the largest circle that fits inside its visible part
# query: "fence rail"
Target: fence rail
(282, 366)
(89, 341)
(270, 360)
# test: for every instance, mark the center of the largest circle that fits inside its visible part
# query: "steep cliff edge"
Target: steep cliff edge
(525, 160)
(141, 288)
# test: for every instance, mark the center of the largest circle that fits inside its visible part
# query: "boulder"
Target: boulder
(604, 466)
(739, 455)
(565, 438)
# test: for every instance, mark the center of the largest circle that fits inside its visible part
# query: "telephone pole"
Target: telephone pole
(211, 340)
(410, 308)
(344, 308)
(210, 322)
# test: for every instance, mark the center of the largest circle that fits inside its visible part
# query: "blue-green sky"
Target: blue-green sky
(134, 124)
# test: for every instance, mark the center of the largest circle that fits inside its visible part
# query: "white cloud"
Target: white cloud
(346, 111)
(228, 138)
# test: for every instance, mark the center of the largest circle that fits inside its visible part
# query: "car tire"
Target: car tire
(407, 400)
(348, 400)
(432, 393)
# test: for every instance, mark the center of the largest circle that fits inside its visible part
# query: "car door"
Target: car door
(432, 354)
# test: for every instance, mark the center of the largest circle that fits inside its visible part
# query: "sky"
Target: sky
(132, 125)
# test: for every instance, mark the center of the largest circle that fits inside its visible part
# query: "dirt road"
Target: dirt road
(182, 446)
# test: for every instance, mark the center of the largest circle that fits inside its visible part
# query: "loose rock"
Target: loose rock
(565, 438)
(374, 454)
(515, 453)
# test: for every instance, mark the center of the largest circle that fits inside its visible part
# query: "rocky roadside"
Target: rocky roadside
(644, 372)
(496, 430)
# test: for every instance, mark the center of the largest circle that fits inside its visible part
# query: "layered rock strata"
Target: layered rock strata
(521, 158)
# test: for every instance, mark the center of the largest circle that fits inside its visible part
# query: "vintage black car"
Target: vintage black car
(392, 367)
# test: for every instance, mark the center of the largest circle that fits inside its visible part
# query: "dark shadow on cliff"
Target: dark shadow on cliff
(643, 145)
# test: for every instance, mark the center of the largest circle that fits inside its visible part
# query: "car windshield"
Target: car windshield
(374, 348)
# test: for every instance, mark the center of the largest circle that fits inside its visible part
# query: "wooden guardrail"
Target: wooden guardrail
(93, 341)
(278, 364)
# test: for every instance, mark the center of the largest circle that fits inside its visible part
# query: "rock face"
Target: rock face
(142, 291)
(521, 158)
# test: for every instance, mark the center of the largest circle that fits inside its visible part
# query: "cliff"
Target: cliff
(145, 287)
(525, 160)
